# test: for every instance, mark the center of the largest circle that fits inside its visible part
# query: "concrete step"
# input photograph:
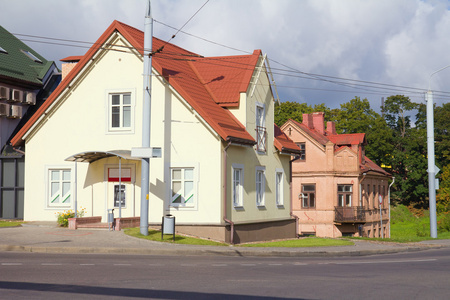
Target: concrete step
(94, 225)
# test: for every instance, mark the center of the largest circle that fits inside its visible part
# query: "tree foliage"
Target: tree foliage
(395, 141)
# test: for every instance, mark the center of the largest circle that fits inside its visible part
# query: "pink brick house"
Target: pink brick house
(336, 190)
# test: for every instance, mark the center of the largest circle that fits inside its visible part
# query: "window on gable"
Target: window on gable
(120, 108)
(303, 152)
(261, 133)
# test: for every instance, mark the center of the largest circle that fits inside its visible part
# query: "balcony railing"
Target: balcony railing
(349, 214)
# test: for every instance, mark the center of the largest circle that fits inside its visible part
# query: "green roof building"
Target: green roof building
(26, 80)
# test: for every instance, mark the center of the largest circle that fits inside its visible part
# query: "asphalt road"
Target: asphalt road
(418, 275)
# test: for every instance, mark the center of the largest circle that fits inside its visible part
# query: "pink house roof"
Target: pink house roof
(371, 166)
(283, 143)
(322, 139)
(207, 84)
(341, 142)
(348, 139)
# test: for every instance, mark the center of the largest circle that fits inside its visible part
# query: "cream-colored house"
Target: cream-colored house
(336, 190)
(224, 168)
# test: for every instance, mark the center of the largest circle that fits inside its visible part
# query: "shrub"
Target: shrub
(63, 217)
(444, 222)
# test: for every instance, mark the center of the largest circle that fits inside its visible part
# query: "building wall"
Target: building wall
(258, 94)
(81, 124)
(327, 169)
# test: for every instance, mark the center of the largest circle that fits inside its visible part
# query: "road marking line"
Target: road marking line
(384, 261)
(51, 264)
(219, 265)
(122, 264)
(248, 265)
(300, 264)
(275, 264)
(87, 264)
(12, 264)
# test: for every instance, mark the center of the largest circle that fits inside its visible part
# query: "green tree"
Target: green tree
(356, 116)
(408, 157)
(443, 195)
(290, 110)
(441, 134)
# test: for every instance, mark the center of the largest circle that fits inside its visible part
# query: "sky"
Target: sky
(320, 51)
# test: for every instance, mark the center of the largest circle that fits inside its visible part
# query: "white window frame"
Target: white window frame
(48, 190)
(168, 179)
(260, 186)
(345, 195)
(237, 190)
(121, 129)
(260, 128)
(279, 187)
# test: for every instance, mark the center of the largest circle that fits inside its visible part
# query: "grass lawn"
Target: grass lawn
(9, 223)
(154, 235)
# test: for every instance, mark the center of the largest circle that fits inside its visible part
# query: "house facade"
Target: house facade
(224, 166)
(26, 79)
(336, 190)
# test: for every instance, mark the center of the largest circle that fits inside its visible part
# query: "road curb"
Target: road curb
(208, 252)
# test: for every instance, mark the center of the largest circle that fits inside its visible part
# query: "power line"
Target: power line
(290, 72)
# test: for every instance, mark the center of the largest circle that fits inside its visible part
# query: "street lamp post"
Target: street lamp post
(430, 152)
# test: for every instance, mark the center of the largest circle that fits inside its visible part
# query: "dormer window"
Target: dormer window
(31, 56)
(3, 50)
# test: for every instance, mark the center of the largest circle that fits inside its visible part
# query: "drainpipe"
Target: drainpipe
(389, 203)
(290, 194)
(225, 176)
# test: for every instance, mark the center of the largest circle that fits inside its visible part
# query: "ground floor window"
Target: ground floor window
(182, 186)
(345, 195)
(260, 186)
(279, 187)
(238, 183)
(308, 196)
(59, 188)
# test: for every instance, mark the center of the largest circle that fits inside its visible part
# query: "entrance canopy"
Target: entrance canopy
(91, 156)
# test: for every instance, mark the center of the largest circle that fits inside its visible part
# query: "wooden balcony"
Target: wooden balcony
(349, 214)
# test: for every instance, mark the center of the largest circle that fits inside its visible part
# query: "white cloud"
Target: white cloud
(396, 42)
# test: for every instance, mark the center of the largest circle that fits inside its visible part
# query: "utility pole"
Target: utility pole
(146, 123)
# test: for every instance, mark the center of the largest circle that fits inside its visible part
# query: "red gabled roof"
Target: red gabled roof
(202, 82)
(312, 132)
(348, 139)
(74, 58)
(283, 143)
(234, 77)
(371, 166)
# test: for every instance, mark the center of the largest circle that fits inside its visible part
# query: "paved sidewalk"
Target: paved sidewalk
(46, 237)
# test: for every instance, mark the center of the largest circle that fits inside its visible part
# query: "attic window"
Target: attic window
(3, 50)
(31, 56)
